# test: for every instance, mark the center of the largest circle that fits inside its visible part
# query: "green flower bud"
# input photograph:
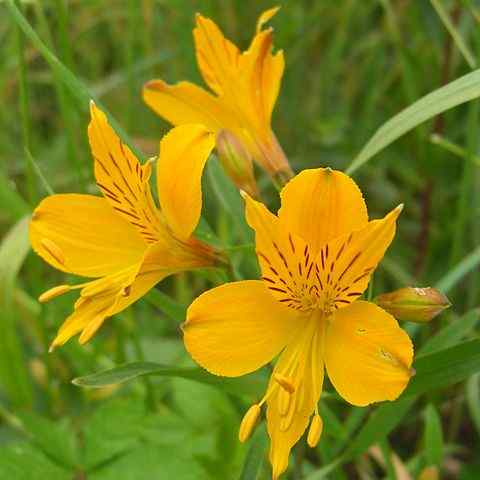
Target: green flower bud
(419, 305)
(236, 161)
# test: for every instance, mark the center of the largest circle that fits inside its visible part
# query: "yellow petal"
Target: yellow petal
(367, 355)
(81, 234)
(217, 57)
(284, 258)
(259, 76)
(184, 103)
(346, 263)
(302, 361)
(271, 79)
(236, 328)
(265, 17)
(320, 205)
(121, 178)
(109, 295)
(183, 153)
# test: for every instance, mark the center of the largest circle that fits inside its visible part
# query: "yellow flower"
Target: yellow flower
(246, 86)
(122, 239)
(316, 259)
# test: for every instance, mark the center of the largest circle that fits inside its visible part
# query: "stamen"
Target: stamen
(54, 250)
(54, 292)
(248, 423)
(315, 431)
(284, 399)
(284, 382)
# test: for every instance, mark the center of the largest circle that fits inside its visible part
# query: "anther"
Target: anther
(54, 250)
(284, 399)
(54, 292)
(284, 382)
(315, 431)
(248, 422)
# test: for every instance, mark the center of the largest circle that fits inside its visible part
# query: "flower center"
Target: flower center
(306, 283)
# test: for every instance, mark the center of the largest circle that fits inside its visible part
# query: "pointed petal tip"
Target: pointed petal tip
(244, 194)
(52, 347)
(400, 208)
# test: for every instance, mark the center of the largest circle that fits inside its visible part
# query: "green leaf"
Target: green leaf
(436, 370)
(473, 399)
(151, 462)
(433, 436)
(459, 91)
(256, 455)
(13, 372)
(228, 197)
(56, 439)
(444, 368)
(119, 421)
(455, 331)
(453, 276)
(22, 461)
(166, 304)
(252, 384)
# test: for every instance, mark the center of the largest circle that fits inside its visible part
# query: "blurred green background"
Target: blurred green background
(350, 66)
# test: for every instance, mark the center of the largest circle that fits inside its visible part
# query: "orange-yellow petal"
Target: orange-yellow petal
(288, 414)
(82, 234)
(283, 257)
(367, 355)
(265, 17)
(322, 204)
(109, 295)
(236, 328)
(121, 178)
(184, 102)
(347, 263)
(183, 154)
(217, 57)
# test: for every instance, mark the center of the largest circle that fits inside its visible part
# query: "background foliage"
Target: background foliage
(350, 67)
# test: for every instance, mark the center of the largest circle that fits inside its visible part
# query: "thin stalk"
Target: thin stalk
(25, 113)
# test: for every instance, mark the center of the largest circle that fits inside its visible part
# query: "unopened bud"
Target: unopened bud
(236, 161)
(248, 423)
(315, 431)
(412, 304)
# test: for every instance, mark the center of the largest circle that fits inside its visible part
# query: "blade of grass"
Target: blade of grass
(255, 458)
(455, 93)
(457, 273)
(13, 372)
(452, 30)
(433, 436)
(25, 113)
(76, 87)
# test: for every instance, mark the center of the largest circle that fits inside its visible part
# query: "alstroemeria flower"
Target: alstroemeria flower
(316, 258)
(246, 86)
(122, 240)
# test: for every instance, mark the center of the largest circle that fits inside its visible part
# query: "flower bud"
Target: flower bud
(413, 304)
(236, 161)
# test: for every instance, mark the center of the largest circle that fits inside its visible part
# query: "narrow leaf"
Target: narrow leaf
(252, 384)
(433, 436)
(255, 456)
(455, 93)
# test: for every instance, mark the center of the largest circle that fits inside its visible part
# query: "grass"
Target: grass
(350, 69)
